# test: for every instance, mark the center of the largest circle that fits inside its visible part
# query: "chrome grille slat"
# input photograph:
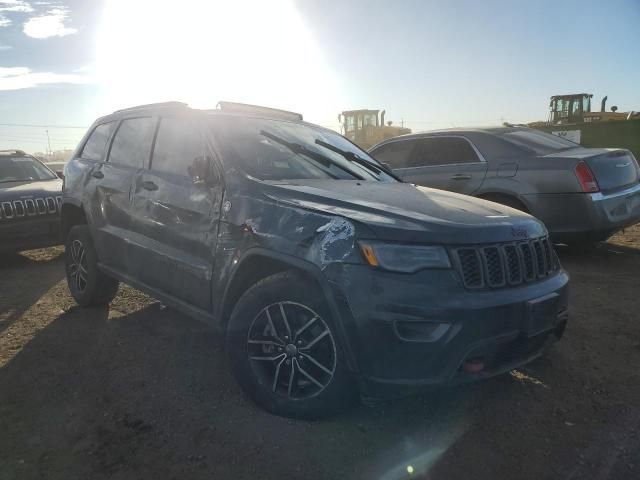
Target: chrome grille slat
(42, 206)
(18, 208)
(15, 209)
(7, 210)
(500, 265)
(30, 205)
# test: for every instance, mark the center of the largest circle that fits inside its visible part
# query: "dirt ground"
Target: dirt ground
(140, 392)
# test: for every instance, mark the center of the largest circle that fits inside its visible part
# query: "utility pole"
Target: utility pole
(48, 143)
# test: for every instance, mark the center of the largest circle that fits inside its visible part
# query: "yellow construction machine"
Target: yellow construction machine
(366, 128)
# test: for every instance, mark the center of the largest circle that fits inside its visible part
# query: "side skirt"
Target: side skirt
(175, 303)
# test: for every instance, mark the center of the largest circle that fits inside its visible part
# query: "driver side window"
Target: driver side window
(180, 149)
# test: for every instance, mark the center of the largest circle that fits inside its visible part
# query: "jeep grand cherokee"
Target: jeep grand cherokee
(328, 276)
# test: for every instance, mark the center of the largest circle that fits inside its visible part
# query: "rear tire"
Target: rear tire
(88, 285)
(285, 352)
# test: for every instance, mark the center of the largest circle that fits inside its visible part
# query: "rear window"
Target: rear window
(537, 142)
(95, 146)
(132, 143)
(395, 154)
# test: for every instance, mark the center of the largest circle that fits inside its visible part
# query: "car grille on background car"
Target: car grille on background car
(16, 209)
(506, 264)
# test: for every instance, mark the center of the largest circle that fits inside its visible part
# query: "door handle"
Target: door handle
(149, 185)
(97, 174)
(460, 176)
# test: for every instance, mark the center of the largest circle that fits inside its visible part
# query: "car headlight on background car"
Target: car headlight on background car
(404, 258)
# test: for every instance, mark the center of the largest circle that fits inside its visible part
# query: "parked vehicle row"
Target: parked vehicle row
(583, 195)
(329, 277)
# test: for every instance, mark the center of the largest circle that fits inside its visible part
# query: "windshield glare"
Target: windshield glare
(259, 147)
(20, 169)
(540, 143)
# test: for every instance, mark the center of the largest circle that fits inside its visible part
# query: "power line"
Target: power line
(39, 126)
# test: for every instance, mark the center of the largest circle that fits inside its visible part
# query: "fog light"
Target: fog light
(417, 331)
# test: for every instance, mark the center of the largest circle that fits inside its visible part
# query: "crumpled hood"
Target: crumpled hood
(30, 189)
(405, 212)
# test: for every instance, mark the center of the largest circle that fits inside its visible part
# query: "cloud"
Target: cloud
(18, 78)
(48, 25)
(5, 47)
(12, 6)
(15, 6)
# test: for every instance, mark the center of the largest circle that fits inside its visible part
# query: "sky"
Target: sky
(429, 64)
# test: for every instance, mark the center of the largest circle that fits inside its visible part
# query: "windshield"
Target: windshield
(270, 149)
(539, 143)
(20, 169)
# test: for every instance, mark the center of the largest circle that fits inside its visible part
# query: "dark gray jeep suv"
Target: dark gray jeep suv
(328, 276)
(30, 196)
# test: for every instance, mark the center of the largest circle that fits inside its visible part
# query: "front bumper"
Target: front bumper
(29, 233)
(408, 331)
(583, 216)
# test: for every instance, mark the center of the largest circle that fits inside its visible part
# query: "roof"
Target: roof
(12, 152)
(572, 95)
(242, 109)
(463, 130)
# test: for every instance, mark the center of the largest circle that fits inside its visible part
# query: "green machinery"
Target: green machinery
(570, 116)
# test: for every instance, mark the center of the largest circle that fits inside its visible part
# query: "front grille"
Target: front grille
(17, 209)
(505, 264)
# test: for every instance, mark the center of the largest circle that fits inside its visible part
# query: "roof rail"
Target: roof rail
(153, 105)
(14, 151)
(247, 108)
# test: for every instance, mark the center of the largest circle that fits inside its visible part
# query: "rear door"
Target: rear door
(177, 208)
(111, 203)
(446, 162)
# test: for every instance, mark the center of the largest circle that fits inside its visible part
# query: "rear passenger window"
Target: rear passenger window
(179, 145)
(95, 146)
(132, 144)
(443, 151)
(395, 154)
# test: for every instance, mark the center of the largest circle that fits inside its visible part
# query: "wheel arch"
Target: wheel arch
(70, 216)
(505, 198)
(257, 264)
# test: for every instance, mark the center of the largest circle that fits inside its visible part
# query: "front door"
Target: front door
(447, 163)
(177, 208)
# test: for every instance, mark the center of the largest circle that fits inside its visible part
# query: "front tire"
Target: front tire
(88, 285)
(284, 349)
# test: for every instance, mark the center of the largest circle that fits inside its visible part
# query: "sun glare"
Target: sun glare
(201, 52)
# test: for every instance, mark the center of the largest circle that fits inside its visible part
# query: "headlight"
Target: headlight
(404, 258)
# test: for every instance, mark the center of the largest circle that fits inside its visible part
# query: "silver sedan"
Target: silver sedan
(583, 195)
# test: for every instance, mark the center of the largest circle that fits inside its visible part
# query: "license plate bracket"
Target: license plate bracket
(542, 314)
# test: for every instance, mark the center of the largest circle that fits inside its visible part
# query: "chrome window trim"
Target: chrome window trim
(475, 149)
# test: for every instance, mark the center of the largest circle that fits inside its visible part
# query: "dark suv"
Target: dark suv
(30, 196)
(328, 276)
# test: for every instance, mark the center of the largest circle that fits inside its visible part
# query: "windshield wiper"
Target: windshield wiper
(353, 157)
(302, 150)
